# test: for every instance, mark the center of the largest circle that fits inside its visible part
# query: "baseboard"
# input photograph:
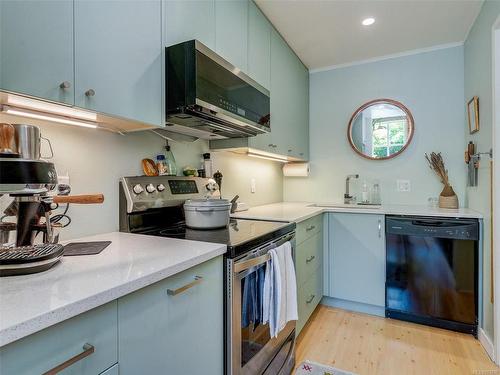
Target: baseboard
(353, 306)
(486, 343)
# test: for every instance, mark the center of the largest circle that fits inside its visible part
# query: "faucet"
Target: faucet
(348, 199)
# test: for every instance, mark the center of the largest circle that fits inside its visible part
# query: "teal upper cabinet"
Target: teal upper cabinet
(298, 136)
(186, 20)
(118, 58)
(356, 258)
(259, 46)
(289, 89)
(282, 84)
(231, 31)
(36, 48)
(174, 326)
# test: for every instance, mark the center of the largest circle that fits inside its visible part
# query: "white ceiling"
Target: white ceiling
(329, 32)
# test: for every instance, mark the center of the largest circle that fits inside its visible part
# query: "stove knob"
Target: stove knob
(160, 187)
(138, 189)
(150, 188)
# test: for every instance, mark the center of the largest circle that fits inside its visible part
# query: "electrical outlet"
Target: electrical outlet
(253, 187)
(403, 186)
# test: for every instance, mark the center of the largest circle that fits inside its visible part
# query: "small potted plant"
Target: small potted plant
(447, 198)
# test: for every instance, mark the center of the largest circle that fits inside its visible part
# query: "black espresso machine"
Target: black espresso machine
(31, 185)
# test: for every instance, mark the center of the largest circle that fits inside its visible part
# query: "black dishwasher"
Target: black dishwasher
(432, 271)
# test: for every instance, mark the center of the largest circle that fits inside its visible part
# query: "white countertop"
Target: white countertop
(300, 211)
(31, 303)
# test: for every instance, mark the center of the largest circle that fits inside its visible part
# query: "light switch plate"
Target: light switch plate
(403, 186)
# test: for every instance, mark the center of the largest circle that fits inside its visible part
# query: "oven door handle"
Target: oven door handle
(246, 264)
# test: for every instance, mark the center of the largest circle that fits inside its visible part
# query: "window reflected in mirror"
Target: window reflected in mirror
(380, 129)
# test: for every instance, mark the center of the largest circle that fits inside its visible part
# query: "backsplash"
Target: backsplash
(96, 159)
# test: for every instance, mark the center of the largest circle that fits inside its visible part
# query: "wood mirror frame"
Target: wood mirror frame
(409, 116)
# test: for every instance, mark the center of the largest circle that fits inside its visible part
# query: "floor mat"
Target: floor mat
(313, 368)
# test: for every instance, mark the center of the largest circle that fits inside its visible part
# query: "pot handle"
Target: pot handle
(50, 147)
(204, 209)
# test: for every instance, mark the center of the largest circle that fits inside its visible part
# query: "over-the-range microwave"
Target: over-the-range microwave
(207, 97)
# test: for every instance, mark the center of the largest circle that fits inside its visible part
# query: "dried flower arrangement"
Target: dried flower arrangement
(447, 198)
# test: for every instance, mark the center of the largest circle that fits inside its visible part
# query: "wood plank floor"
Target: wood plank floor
(367, 345)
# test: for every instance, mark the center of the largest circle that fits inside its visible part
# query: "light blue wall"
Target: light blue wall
(430, 84)
(478, 81)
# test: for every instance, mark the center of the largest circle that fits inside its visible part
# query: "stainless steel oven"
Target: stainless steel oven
(250, 348)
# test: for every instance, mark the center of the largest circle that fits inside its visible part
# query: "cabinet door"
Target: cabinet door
(301, 146)
(259, 46)
(231, 31)
(118, 64)
(357, 258)
(282, 117)
(186, 20)
(160, 333)
(36, 48)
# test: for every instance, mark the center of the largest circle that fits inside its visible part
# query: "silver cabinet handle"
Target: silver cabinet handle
(65, 85)
(174, 292)
(310, 259)
(90, 92)
(380, 229)
(310, 299)
(308, 229)
(87, 350)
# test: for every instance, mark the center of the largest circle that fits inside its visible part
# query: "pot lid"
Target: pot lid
(209, 202)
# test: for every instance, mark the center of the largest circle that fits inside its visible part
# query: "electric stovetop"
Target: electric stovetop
(240, 236)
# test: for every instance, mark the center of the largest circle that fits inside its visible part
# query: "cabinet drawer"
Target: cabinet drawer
(309, 228)
(309, 258)
(52, 346)
(308, 297)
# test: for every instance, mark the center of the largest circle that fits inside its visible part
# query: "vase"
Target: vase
(448, 198)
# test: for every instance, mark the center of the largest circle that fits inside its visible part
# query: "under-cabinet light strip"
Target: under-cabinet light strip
(51, 108)
(273, 158)
(43, 116)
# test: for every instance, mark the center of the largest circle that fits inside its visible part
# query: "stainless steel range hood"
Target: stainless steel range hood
(209, 98)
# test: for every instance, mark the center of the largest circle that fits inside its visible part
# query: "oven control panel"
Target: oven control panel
(142, 192)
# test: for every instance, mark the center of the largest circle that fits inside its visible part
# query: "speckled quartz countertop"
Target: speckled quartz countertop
(300, 211)
(31, 303)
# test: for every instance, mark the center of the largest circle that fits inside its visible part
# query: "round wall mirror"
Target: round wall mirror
(380, 129)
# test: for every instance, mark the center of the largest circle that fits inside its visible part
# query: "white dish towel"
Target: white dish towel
(280, 289)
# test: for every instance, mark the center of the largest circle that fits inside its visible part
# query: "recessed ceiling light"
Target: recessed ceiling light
(368, 21)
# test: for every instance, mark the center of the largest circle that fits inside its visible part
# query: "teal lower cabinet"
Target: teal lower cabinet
(174, 326)
(356, 262)
(93, 333)
(111, 371)
(309, 267)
